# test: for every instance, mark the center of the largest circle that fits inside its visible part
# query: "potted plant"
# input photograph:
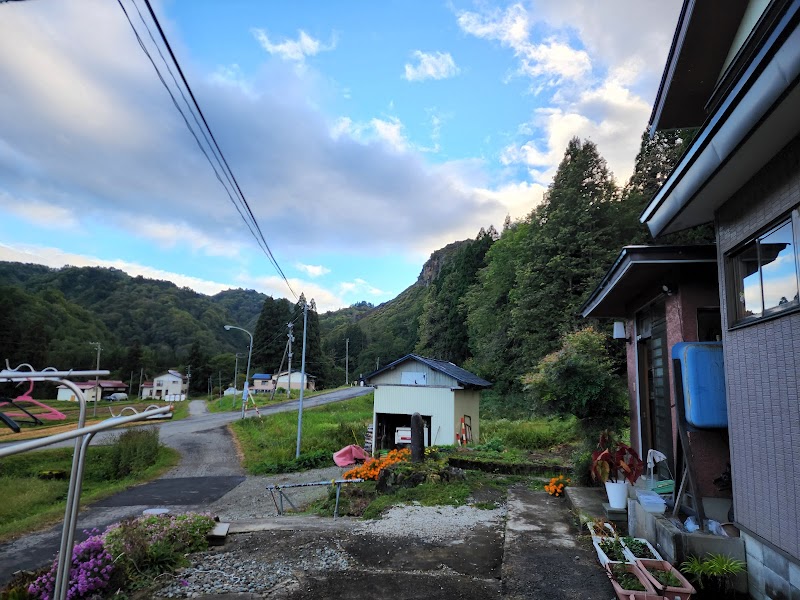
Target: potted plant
(609, 549)
(629, 582)
(616, 464)
(666, 579)
(636, 548)
(714, 575)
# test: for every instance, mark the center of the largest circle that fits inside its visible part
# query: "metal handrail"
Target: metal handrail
(78, 457)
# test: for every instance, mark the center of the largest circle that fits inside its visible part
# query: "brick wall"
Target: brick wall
(762, 364)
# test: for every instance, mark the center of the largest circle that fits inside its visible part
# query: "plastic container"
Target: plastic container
(683, 591)
(703, 383)
(651, 502)
(623, 594)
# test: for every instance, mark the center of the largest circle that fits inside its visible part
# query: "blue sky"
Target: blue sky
(364, 134)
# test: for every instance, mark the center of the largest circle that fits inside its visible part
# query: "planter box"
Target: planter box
(631, 557)
(603, 557)
(684, 591)
(623, 594)
(609, 531)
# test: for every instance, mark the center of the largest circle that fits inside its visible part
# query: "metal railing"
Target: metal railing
(83, 436)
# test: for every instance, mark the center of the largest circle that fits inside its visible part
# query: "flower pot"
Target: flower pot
(627, 594)
(631, 556)
(617, 494)
(683, 591)
(603, 557)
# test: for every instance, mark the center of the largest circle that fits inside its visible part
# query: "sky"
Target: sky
(365, 135)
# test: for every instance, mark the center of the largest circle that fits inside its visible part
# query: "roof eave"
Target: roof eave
(753, 123)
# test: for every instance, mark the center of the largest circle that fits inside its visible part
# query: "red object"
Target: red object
(349, 455)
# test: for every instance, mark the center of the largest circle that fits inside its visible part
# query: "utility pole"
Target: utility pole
(130, 385)
(188, 381)
(291, 339)
(220, 384)
(347, 361)
(235, 380)
(302, 381)
(141, 374)
(96, 377)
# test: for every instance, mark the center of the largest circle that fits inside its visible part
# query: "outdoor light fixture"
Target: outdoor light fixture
(245, 394)
(619, 331)
(668, 289)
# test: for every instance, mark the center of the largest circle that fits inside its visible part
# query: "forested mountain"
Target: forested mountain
(495, 304)
(49, 316)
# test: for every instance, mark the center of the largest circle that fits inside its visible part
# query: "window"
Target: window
(765, 272)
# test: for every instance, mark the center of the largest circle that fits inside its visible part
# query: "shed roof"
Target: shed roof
(463, 376)
(639, 268)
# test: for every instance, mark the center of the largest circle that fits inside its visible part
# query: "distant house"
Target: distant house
(169, 386)
(88, 388)
(262, 382)
(734, 73)
(442, 393)
(282, 381)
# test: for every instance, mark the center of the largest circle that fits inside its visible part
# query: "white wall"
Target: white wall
(406, 400)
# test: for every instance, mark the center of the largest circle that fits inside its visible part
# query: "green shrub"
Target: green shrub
(132, 451)
(514, 406)
(307, 460)
(145, 547)
(579, 379)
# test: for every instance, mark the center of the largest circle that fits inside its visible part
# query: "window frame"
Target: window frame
(734, 285)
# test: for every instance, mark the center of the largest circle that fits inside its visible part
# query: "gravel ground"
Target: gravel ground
(462, 544)
(251, 500)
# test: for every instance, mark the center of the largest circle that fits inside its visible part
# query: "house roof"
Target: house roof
(104, 384)
(641, 270)
(147, 384)
(173, 373)
(464, 377)
(747, 117)
(284, 373)
(262, 376)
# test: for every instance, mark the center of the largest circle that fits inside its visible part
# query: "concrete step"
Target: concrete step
(216, 537)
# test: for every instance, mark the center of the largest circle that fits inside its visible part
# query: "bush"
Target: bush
(132, 451)
(514, 406)
(579, 380)
(89, 573)
(307, 460)
(145, 547)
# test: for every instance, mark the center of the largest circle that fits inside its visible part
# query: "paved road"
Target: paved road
(209, 468)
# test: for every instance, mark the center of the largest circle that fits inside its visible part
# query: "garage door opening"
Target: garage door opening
(387, 425)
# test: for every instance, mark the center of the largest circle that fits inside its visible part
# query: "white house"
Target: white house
(282, 381)
(442, 393)
(169, 386)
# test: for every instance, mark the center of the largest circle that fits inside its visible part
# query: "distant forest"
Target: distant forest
(495, 304)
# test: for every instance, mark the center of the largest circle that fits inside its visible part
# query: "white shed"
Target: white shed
(442, 393)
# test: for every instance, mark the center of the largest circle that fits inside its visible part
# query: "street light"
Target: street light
(236, 376)
(247, 375)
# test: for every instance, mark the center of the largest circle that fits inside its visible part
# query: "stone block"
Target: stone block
(775, 586)
(776, 562)
(794, 574)
(753, 547)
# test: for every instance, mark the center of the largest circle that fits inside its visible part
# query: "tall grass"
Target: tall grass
(529, 435)
(35, 484)
(269, 443)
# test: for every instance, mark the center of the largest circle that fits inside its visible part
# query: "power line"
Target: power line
(235, 193)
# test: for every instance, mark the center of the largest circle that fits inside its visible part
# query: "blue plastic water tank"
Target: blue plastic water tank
(703, 380)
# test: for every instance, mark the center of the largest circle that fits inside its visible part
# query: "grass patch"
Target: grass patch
(528, 435)
(32, 501)
(269, 443)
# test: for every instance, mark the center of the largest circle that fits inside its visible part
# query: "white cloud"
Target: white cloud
(552, 59)
(436, 65)
(358, 287)
(313, 270)
(39, 213)
(293, 50)
(390, 130)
